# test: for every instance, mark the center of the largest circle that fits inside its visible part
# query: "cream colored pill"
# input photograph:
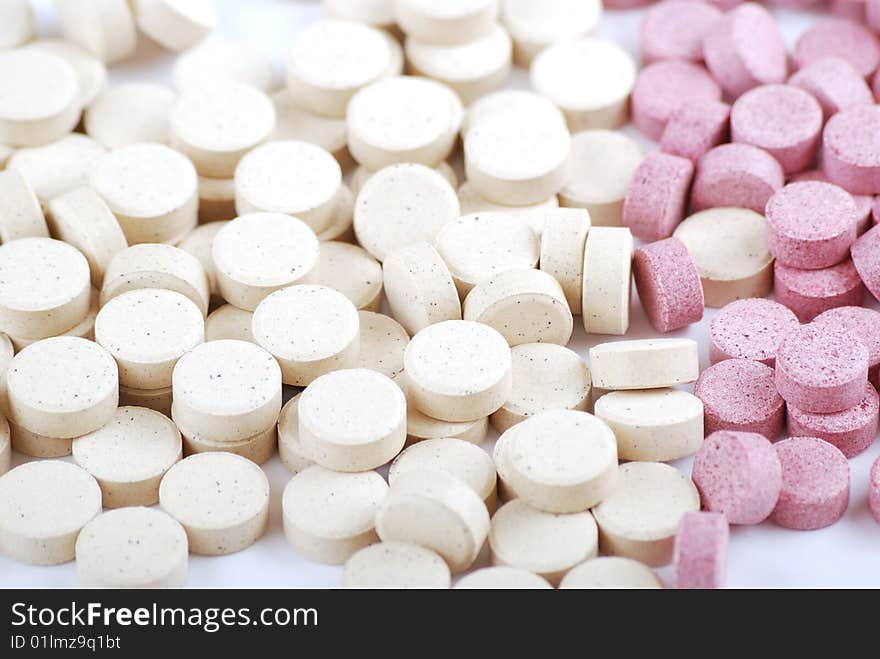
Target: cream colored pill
(58, 167)
(200, 243)
(353, 272)
(130, 113)
(158, 400)
(260, 253)
(129, 455)
(292, 122)
(361, 175)
(396, 565)
(224, 60)
(16, 23)
(534, 214)
(310, 330)
(38, 446)
(371, 12)
(291, 451)
(259, 448)
(91, 72)
(132, 548)
(420, 427)
(607, 280)
(511, 102)
(84, 329)
(563, 241)
(5, 447)
(176, 24)
(43, 507)
(105, 28)
(216, 199)
(383, 342)
(454, 21)
(536, 24)
(221, 499)
(611, 572)
(229, 322)
(21, 215)
(644, 363)
(653, 425)
(341, 219)
(329, 516)
(501, 577)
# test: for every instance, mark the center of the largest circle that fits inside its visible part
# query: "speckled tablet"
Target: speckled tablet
(736, 175)
(563, 240)
(669, 285)
(534, 214)
(58, 167)
(644, 363)
(259, 448)
(809, 293)
(130, 113)
(382, 343)
(852, 430)
(607, 280)
(750, 329)
(502, 577)
(700, 554)
(396, 565)
(850, 153)
(21, 215)
(292, 122)
(159, 400)
(291, 451)
(216, 60)
(610, 572)
(353, 272)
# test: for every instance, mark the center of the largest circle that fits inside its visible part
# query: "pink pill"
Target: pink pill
(745, 49)
(874, 490)
(835, 37)
(864, 324)
(663, 87)
(669, 284)
(821, 369)
(657, 197)
(873, 14)
(811, 292)
(737, 175)
(866, 259)
(740, 395)
(854, 10)
(851, 149)
(815, 484)
(863, 202)
(674, 30)
(852, 431)
(835, 83)
(749, 329)
(694, 129)
(811, 225)
(699, 556)
(738, 474)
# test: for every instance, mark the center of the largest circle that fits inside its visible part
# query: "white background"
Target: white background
(846, 554)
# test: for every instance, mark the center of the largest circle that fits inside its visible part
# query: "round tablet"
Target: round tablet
(38, 446)
(458, 21)
(402, 205)
(41, 99)
(259, 448)
(658, 196)
(834, 37)
(563, 241)
(545, 544)
(607, 280)
(874, 491)
(644, 363)
(152, 190)
(159, 400)
(510, 102)
(675, 30)
(534, 214)
(353, 272)
(329, 516)
(851, 149)
(864, 324)
(852, 430)
(176, 24)
(700, 554)
(221, 499)
(43, 507)
(21, 215)
(214, 61)
(84, 329)
(200, 242)
(865, 259)
(229, 322)
(58, 167)
(835, 83)
(863, 203)
(105, 28)
(420, 427)
(736, 176)
(259, 253)
(361, 175)
(610, 572)
(536, 25)
(809, 293)
(501, 577)
(729, 247)
(815, 484)
(292, 122)
(656, 425)
(396, 565)
(294, 456)
(310, 330)
(403, 119)
(91, 72)
(694, 129)
(130, 113)
(751, 328)
(17, 19)
(669, 285)
(383, 342)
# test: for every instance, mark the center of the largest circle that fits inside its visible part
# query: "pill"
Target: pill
(644, 363)
(294, 456)
(91, 72)
(21, 215)
(589, 79)
(852, 430)
(105, 28)
(744, 49)
(563, 241)
(472, 202)
(199, 243)
(874, 491)
(379, 13)
(834, 37)
(159, 400)
(382, 342)
(259, 448)
(855, 10)
(353, 272)
(835, 83)
(174, 24)
(693, 129)
(815, 484)
(130, 113)
(292, 122)
(41, 101)
(17, 19)
(453, 22)
(863, 202)
(130, 455)
(419, 287)
(809, 293)
(607, 280)
(850, 151)
(361, 175)
(38, 446)
(310, 330)
(43, 507)
(537, 25)
(668, 283)
(420, 427)
(511, 102)
(226, 390)
(675, 30)
(221, 499)
(863, 324)
(610, 572)
(403, 119)
(501, 577)
(657, 198)
(152, 190)
(700, 553)
(873, 14)
(736, 175)
(213, 61)
(655, 425)
(5, 447)
(751, 328)
(58, 167)
(866, 261)
(396, 565)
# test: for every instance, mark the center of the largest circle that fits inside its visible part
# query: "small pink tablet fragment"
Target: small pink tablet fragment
(835, 37)
(657, 197)
(864, 324)
(668, 283)
(852, 431)
(745, 49)
(863, 202)
(874, 490)
(740, 395)
(737, 175)
(851, 149)
(821, 369)
(749, 329)
(866, 258)
(835, 83)
(694, 129)
(699, 556)
(738, 474)
(663, 87)
(811, 225)
(811, 292)
(815, 484)
(674, 29)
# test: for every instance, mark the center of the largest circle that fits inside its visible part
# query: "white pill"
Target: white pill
(403, 119)
(524, 305)
(221, 499)
(510, 102)
(536, 24)
(132, 548)
(291, 451)
(260, 253)
(655, 425)
(152, 190)
(105, 28)
(438, 511)
(129, 455)
(38, 446)
(200, 243)
(341, 219)
(330, 516)
(290, 177)
(159, 400)
(458, 370)
(213, 61)
(84, 329)
(21, 215)
(453, 21)
(611, 572)
(563, 241)
(501, 577)
(43, 507)
(292, 122)
(607, 280)
(546, 544)
(472, 69)
(644, 363)
(176, 24)
(640, 518)
(472, 202)
(16, 23)
(361, 175)
(226, 390)
(5, 447)
(379, 13)
(258, 448)
(91, 72)
(154, 265)
(396, 565)
(58, 167)
(310, 330)
(383, 342)
(130, 113)
(41, 98)
(229, 322)
(420, 427)
(216, 199)
(353, 272)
